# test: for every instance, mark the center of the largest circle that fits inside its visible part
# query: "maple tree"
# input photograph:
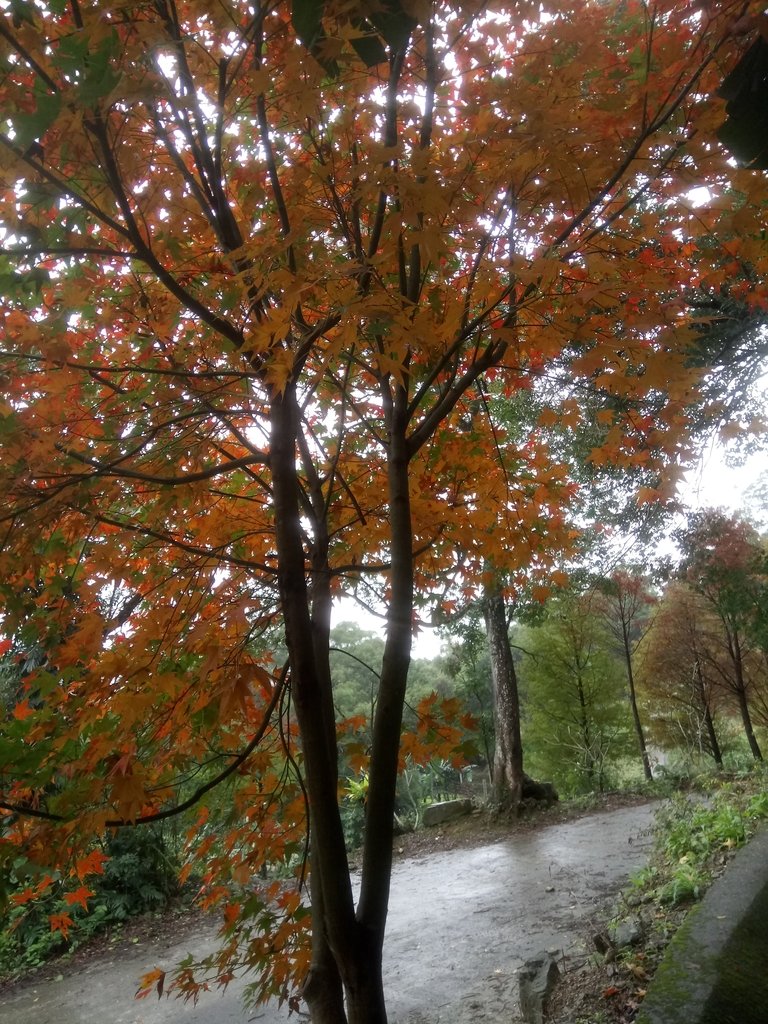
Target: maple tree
(256, 262)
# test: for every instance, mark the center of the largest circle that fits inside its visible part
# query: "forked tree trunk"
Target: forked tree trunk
(311, 698)
(347, 943)
(507, 775)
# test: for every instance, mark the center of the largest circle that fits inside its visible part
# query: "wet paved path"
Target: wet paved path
(461, 922)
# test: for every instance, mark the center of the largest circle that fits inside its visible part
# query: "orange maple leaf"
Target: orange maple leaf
(92, 864)
(61, 923)
(152, 979)
(231, 914)
(25, 896)
(23, 710)
(79, 896)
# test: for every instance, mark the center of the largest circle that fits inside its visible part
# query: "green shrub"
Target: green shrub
(140, 876)
(692, 835)
(687, 882)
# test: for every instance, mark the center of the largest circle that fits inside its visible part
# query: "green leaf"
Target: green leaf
(746, 140)
(99, 76)
(34, 126)
(21, 12)
(96, 86)
(369, 48)
(394, 25)
(307, 18)
(71, 54)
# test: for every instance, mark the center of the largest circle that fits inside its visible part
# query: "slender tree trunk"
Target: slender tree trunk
(746, 719)
(507, 777)
(586, 738)
(709, 723)
(323, 991)
(365, 998)
(647, 771)
(741, 696)
(310, 689)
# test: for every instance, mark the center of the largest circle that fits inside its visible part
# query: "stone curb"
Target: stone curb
(714, 969)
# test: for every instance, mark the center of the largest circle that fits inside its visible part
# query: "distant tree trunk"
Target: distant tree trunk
(709, 723)
(507, 774)
(746, 719)
(734, 645)
(586, 736)
(647, 771)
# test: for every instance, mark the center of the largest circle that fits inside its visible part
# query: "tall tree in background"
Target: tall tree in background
(575, 712)
(723, 561)
(507, 770)
(677, 676)
(624, 600)
(250, 288)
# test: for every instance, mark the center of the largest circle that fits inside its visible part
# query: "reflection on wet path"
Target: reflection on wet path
(461, 919)
(460, 924)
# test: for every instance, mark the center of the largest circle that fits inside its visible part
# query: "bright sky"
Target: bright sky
(715, 484)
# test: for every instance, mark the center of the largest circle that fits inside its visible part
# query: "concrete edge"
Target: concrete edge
(686, 977)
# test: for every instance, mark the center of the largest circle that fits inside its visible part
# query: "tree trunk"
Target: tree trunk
(586, 738)
(338, 933)
(507, 775)
(746, 719)
(709, 723)
(647, 771)
(712, 737)
(323, 991)
(741, 695)
(365, 998)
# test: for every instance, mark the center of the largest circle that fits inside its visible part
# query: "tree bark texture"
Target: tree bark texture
(507, 774)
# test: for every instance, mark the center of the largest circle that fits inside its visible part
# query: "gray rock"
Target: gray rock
(627, 933)
(537, 979)
(436, 814)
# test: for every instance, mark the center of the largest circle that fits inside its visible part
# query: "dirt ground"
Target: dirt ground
(470, 902)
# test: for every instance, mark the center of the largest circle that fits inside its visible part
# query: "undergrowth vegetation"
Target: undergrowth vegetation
(696, 834)
(140, 876)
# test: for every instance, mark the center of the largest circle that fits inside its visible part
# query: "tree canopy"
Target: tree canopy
(258, 265)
